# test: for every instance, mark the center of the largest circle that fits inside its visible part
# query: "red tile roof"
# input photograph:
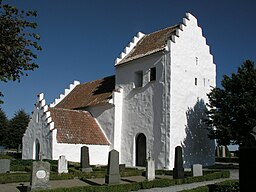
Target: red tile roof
(77, 127)
(151, 43)
(89, 94)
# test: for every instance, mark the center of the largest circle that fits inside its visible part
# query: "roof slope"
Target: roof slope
(77, 127)
(89, 94)
(151, 43)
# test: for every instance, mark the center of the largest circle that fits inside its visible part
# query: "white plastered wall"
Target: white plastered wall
(104, 114)
(142, 109)
(98, 154)
(37, 129)
(190, 59)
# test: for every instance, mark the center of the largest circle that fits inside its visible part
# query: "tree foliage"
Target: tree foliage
(4, 124)
(233, 108)
(17, 128)
(18, 42)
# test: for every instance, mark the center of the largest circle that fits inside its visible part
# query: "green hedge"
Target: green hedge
(226, 186)
(14, 177)
(142, 185)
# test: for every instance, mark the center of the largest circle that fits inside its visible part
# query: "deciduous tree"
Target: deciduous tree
(18, 42)
(232, 111)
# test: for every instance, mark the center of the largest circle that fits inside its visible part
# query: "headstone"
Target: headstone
(85, 161)
(62, 164)
(218, 151)
(178, 170)
(4, 165)
(247, 165)
(223, 151)
(197, 170)
(40, 176)
(150, 168)
(121, 167)
(113, 175)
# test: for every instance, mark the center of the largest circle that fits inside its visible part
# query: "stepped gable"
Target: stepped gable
(89, 94)
(76, 127)
(150, 44)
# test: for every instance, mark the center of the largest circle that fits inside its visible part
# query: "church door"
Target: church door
(141, 150)
(37, 150)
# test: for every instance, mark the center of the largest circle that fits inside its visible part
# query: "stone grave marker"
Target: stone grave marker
(197, 170)
(40, 176)
(178, 170)
(113, 175)
(5, 165)
(150, 168)
(62, 165)
(247, 162)
(85, 161)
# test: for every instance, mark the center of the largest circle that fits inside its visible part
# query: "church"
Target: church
(155, 101)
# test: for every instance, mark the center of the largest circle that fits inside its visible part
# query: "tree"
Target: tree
(17, 128)
(4, 123)
(17, 43)
(233, 108)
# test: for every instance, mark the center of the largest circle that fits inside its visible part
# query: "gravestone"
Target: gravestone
(113, 175)
(150, 168)
(85, 161)
(62, 164)
(178, 170)
(5, 165)
(247, 165)
(121, 167)
(197, 170)
(40, 176)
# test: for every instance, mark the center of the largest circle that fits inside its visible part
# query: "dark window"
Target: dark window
(195, 81)
(138, 80)
(153, 74)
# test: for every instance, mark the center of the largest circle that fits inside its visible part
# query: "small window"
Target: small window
(196, 60)
(37, 118)
(152, 74)
(195, 81)
(138, 80)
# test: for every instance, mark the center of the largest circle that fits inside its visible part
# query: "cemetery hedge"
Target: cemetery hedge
(142, 185)
(225, 186)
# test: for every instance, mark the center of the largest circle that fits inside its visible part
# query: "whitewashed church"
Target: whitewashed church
(154, 102)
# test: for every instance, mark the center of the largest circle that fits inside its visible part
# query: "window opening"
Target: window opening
(153, 74)
(138, 81)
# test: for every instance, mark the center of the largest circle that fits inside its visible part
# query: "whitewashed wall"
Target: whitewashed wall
(190, 59)
(98, 153)
(142, 109)
(104, 114)
(37, 130)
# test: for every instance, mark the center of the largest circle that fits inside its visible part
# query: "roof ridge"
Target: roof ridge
(170, 27)
(97, 79)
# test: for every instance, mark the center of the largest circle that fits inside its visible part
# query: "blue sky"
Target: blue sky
(82, 38)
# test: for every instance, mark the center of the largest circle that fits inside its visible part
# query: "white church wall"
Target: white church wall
(142, 108)
(104, 114)
(98, 154)
(192, 75)
(37, 130)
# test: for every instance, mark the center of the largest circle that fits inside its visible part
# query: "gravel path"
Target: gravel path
(234, 174)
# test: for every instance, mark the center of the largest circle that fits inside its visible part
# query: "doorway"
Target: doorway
(141, 150)
(37, 151)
